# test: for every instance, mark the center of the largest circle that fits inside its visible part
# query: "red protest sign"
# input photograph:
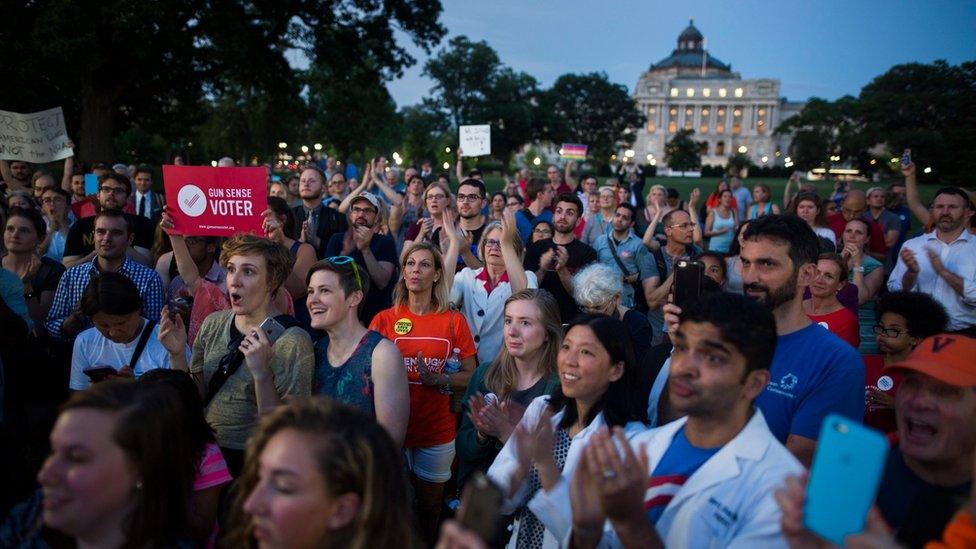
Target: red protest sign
(205, 201)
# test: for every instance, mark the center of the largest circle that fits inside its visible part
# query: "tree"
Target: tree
(462, 73)
(589, 109)
(682, 153)
(826, 129)
(423, 128)
(156, 65)
(930, 109)
(737, 163)
(510, 105)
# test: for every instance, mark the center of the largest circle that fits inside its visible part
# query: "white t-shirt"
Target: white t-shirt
(91, 349)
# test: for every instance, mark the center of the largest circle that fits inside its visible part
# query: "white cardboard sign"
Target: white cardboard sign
(34, 137)
(475, 140)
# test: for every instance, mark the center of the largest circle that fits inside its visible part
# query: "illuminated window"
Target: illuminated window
(703, 128)
(689, 112)
(738, 92)
(651, 110)
(707, 92)
(651, 128)
(673, 120)
(762, 112)
(736, 121)
(721, 92)
(736, 112)
(674, 92)
(704, 112)
(690, 92)
(674, 112)
(672, 127)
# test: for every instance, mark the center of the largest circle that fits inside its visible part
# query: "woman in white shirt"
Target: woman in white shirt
(480, 293)
(124, 342)
(597, 377)
(809, 207)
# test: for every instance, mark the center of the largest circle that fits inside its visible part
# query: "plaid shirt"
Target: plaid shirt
(75, 280)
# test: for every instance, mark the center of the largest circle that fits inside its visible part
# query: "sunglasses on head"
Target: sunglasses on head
(343, 260)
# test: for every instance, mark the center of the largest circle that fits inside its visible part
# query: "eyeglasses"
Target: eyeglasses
(52, 199)
(363, 210)
(469, 197)
(344, 259)
(115, 190)
(436, 196)
(887, 332)
(513, 203)
(686, 225)
(492, 243)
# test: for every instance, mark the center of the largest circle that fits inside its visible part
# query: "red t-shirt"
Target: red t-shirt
(843, 323)
(435, 335)
(888, 382)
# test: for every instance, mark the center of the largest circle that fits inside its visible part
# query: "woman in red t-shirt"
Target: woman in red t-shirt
(824, 308)
(428, 333)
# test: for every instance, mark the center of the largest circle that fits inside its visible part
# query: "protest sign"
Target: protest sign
(475, 140)
(573, 151)
(34, 137)
(206, 201)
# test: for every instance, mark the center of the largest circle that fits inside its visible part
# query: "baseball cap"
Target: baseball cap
(369, 197)
(945, 357)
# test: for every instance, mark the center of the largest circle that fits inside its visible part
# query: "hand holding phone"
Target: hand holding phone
(272, 328)
(480, 503)
(688, 277)
(99, 373)
(906, 158)
(844, 478)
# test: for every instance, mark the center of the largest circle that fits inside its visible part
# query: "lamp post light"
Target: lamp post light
(282, 145)
(318, 146)
(743, 149)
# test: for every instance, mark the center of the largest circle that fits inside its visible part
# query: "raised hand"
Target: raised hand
(258, 351)
(911, 262)
(624, 481)
(172, 332)
(562, 257)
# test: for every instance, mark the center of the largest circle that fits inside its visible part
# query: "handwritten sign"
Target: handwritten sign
(206, 201)
(35, 137)
(573, 151)
(475, 140)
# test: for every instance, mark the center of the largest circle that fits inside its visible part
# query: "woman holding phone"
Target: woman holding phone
(241, 371)
(439, 357)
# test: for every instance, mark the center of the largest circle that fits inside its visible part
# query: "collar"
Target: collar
(124, 269)
(139, 194)
(965, 236)
(482, 275)
(630, 234)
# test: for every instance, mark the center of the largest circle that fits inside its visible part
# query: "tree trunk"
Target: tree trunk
(97, 126)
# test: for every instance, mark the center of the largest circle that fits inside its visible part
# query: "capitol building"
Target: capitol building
(692, 90)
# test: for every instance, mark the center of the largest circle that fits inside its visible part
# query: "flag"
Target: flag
(573, 151)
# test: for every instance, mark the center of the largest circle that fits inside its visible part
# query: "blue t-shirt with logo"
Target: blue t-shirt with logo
(814, 373)
(678, 463)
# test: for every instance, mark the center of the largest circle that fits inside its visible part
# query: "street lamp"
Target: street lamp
(535, 161)
(765, 159)
(743, 149)
(629, 153)
(282, 145)
(318, 146)
(650, 157)
(304, 149)
(447, 150)
(927, 170)
(447, 166)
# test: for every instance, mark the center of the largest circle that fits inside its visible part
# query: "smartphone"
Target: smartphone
(272, 328)
(480, 503)
(906, 157)
(99, 373)
(688, 275)
(844, 478)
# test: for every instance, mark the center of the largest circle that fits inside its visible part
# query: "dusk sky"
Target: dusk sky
(815, 48)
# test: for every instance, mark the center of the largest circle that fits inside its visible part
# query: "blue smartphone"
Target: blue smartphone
(844, 478)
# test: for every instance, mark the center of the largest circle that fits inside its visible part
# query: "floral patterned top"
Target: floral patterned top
(352, 382)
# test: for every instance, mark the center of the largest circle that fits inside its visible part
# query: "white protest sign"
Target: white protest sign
(475, 140)
(35, 137)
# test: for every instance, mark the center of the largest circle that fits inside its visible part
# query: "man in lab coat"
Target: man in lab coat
(706, 480)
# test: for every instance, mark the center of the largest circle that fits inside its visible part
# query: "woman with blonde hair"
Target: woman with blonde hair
(500, 390)
(437, 200)
(321, 474)
(439, 356)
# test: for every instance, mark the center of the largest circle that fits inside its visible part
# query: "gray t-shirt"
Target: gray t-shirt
(233, 412)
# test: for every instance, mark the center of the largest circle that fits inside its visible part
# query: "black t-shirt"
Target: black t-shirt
(917, 510)
(384, 249)
(81, 237)
(580, 255)
(47, 277)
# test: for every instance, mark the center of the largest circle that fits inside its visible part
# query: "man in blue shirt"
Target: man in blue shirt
(624, 251)
(814, 372)
(540, 196)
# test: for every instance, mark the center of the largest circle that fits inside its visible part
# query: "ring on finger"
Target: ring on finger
(609, 474)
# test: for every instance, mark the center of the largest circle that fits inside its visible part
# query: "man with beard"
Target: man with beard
(470, 203)
(316, 221)
(555, 260)
(814, 372)
(373, 252)
(113, 193)
(16, 176)
(942, 263)
(706, 480)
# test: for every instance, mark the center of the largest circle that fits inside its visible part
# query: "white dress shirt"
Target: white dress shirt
(959, 257)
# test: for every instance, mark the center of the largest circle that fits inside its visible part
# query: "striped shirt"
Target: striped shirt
(75, 280)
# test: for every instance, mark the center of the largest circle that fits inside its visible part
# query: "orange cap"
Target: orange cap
(949, 358)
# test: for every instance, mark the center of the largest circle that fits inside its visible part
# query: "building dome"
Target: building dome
(691, 55)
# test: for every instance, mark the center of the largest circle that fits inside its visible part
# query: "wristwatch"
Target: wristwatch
(858, 269)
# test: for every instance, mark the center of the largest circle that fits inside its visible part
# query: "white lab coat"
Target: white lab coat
(552, 508)
(728, 501)
(484, 312)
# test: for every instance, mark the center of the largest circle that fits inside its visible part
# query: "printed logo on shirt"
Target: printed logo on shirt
(661, 490)
(784, 386)
(788, 382)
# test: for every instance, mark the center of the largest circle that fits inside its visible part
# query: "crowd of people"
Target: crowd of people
(393, 341)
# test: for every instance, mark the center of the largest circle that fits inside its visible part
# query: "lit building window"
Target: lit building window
(651, 128)
(689, 111)
(674, 112)
(736, 112)
(707, 92)
(690, 92)
(672, 127)
(738, 92)
(721, 92)
(703, 128)
(762, 112)
(689, 118)
(674, 92)
(736, 121)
